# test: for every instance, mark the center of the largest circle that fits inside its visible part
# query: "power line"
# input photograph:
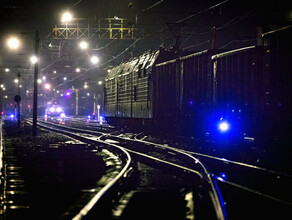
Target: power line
(91, 68)
(238, 41)
(152, 6)
(200, 12)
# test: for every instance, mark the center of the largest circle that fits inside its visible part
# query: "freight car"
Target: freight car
(239, 92)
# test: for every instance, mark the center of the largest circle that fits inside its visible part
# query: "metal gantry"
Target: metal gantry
(106, 28)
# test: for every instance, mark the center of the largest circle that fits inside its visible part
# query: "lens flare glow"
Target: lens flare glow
(223, 126)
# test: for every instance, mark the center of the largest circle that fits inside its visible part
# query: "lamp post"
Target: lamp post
(18, 99)
(35, 88)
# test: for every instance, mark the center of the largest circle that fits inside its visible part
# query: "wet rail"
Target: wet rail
(238, 176)
(171, 159)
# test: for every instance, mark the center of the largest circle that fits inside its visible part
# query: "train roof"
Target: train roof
(144, 61)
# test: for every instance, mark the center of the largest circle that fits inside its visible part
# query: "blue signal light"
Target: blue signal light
(223, 126)
(223, 175)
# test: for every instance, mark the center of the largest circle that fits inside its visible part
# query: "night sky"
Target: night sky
(238, 24)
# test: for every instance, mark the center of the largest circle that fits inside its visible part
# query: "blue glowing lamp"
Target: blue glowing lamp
(223, 126)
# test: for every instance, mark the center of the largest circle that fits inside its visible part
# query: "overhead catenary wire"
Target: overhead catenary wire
(152, 6)
(200, 12)
(95, 67)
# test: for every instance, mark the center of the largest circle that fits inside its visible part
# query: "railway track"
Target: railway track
(177, 165)
(262, 185)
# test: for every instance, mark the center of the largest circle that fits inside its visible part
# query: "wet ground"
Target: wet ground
(45, 174)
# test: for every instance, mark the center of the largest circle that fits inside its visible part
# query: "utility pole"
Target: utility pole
(35, 87)
(18, 99)
(214, 37)
(76, 101)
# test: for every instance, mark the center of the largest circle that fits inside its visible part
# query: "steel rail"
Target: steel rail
(216, 197)
(86, 209)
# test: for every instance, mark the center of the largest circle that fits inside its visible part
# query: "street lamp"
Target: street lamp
(47, 86)
(66, 17)
(83, 45)
(94, 59)
(33, 59)
(13, 43)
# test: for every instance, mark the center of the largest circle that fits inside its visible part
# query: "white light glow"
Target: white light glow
(66, 17)
(83, 45)
(33, 59)
(13, 43)
(94, 59)
(47, 86)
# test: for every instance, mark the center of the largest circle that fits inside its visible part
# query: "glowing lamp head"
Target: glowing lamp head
(224, 126)
(13, 43)
(66, 17)
(52, 109)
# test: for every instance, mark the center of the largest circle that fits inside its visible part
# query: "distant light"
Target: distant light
(108, 70)
(33, 59)
(16, 81)
(52, 109)
(39, 81)
(47, 86)
(65, 78)
(77, 70)
(99, 82)
(66, 17)
(223, 126)
(7, 70)
(94, 59)
(62, 115)
(44, 78)
(13, 43)
(83, 45)
(85, 86)
(1, 85)
(223, 175)
(88, 116)
(59, 109)
(54, 71)
(12, 116)
(88, 94)
(58, 91)
(191, 102)
(68, 93)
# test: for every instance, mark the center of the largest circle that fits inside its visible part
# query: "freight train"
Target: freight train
(241, 92)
